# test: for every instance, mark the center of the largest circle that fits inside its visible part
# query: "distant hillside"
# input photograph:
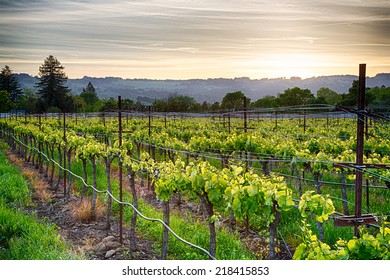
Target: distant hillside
(210, 90)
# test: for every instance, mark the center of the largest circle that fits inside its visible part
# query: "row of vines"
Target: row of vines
(235, 175)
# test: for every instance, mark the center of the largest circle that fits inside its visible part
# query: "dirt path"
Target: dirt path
(92, 239)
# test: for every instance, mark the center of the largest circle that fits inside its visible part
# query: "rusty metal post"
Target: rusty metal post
(149, 132)
(165, 117)
(276, 119)
(229, 122)
(120, 171)
(368, 195)
(327, 120)
(359, 145)
(245, 116)
(149, 119)
(64, 154)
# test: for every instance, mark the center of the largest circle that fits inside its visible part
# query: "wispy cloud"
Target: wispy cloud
(190, 38)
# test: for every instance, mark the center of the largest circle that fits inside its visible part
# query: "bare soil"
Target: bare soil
(92, 238)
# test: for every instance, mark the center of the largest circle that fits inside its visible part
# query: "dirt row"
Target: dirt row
(90, 238)
(94, 239)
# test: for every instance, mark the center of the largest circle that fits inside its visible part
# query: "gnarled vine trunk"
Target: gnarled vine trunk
(85, 177)
(108, 161)
(94, 194)
(164, 252)
(273, 227)
(131, 175)
(213, 234)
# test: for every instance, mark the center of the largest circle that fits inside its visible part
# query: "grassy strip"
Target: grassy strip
(229, 246)
(22, 236)
(14, 191)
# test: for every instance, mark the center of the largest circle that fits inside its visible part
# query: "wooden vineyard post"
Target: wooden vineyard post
(245, 115)
(276, 119)
(358, 219)
(327, 119)
(165, 117)
(149, 131)
(120, 171)
(246, 163)
(245, 130)
(149, 119)
(229, 123)
(359, 144)
(64, 155)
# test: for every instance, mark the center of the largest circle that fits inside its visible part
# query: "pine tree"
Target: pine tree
(90, 98)
(51, 85)
(90, 88)
(9, 83)
(5, 104)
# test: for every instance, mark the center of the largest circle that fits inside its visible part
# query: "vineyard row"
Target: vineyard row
(234, 189)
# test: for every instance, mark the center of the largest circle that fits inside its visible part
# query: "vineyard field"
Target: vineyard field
(238, 185)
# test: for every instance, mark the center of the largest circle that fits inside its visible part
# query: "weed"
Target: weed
(81, 210)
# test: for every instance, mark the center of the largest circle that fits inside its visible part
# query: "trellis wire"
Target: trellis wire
(118, 201)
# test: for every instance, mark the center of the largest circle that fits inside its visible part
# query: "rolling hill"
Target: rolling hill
(210, 90)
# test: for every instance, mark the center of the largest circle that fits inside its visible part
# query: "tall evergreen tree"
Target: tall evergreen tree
(51, 85)
(89, 88)
(10, 83)
(90, 98)
(5, 104)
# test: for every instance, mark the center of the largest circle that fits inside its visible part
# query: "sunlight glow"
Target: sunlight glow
(177, 39)
(291, 65)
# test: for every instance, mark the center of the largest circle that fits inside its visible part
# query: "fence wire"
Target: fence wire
(115, 199)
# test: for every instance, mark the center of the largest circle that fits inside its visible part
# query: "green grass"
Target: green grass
(14, 189)
(22, 236)
(228, 244)
(229, 247)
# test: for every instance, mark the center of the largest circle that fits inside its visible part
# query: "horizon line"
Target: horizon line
(219, 78)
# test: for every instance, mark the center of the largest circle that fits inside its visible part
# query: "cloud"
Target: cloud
(191, 33)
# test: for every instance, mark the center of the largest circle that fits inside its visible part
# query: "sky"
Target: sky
(188, 39)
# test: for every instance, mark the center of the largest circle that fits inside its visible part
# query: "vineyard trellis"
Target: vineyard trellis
(194, 177)
(120, 202)
(205, 155)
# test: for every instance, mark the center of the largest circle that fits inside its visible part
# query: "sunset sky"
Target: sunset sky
(184, 39)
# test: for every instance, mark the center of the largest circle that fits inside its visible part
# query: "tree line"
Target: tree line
(52, 95)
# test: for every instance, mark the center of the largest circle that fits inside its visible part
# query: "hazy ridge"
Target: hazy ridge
(209, 90)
